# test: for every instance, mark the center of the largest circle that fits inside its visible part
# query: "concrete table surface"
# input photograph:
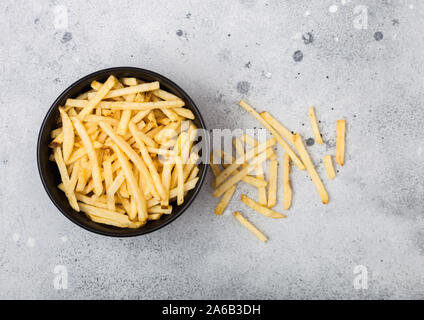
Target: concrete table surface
(358, 60)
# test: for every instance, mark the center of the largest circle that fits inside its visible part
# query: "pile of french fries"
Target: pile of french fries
(247, 166)
(124, 151)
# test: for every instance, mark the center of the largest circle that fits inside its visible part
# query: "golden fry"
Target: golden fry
(314, 124)
(267, 212)
(340, 144)
(246, 223)
(328, 164)
(226, 197)
(287, 189)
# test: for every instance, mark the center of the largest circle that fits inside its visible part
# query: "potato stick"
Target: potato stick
(242, 173)
(165, 95)
(225, 199)
(134, 157)
(98, 96)
(314, 125)
(74, 176)
(123, 190)
(287, 189)
(239, 147)
(162, 152)
(68, 134)
(129, 81)
(310, 168)
(184, 112)
(280, 140)
(254, 181)
(92, 155)
(328, 164)
(125, 105)
(262, 199)
(171, 114)
(152, 118)
(154, 216)
(65, 178)
(187, 187)
(148, 127)
(133, 206)
(148, 161)
(152, 202)
(159, 209)
(116, 184)
(246, 223)
(132, 90)
(340, 144)
(246, 157)
(104, 213)
(140, 115)
(193, 174)
(135, 190)
(146, 139)
(82, 179)
(123, 123)
(272, 190)
(282, 130)
(107, 170)
(180, 181)
(267, 212)
(130, 224)
(95, 118)
(89, 187)
(166, 180)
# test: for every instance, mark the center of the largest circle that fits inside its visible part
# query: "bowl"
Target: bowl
(49, 172)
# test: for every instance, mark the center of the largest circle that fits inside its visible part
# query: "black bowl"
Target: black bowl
(50, 174)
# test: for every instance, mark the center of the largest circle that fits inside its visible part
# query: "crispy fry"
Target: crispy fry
(125, 105)
(310, 168)
(65, 178)
(280, 140)
(130, 90)
(267, 212)
(242, 173)
(340, 144)
(246, 157)
(246, 223)
(282, 130)
(98, 96)
(272, 190)
(68, 134)
(92, 156)
(225, 199)
(108, 174)
(262, 199)
(135, 190)
(287, 189)
(187, 187)
(314, 124)
(106, 214)
(180, 181)
(328, 164)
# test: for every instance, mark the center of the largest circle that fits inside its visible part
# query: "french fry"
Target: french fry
(125, 105)
(98, 96)
(282, 130)
(165, 95)
(108, 174)
(148, 161)
(280, 140)
(180, 181)
(287, 189)
(225, 199)
(246, 223)
(193, 173)
(129, 81)
(129, 90)
(340, 144)
(184, 112)
(116, 184)
(314, 124)
(242, 173)
(328, 164)
(92, 155)
(135, 190)
(267, 212)
(310, 168)
(272, 190)
(134, 157)
(68, 135)
(129, 224)
(246, 157)
(104, 213)
(65, 178)
(262, 199)
(160, 209)
(187, 187)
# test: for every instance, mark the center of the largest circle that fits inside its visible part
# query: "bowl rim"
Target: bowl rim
(132, 232)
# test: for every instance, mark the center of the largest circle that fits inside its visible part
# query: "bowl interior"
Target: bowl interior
(50, 174)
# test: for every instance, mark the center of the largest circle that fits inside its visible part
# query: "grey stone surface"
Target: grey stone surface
(221, 51)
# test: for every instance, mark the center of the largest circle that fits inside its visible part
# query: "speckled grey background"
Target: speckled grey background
(279, 55)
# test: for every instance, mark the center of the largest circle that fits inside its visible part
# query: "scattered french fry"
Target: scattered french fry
(310, 168)
(340, 144)
(282, 130)
(280, 140)
(267, 212)
(287, 189)
(314, 124)
(225, 199)
(272, 189)
(328, 164)
(246, 223)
